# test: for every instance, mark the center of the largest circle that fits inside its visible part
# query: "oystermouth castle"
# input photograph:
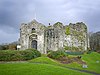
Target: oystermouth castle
(71, 37)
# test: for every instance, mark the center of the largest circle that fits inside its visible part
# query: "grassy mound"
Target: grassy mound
(35, 69)
(44, 60)
(91, 60)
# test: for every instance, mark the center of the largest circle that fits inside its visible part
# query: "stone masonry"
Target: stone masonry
(71, 37)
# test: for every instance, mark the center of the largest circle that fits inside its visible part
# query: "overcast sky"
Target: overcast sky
(15, 12)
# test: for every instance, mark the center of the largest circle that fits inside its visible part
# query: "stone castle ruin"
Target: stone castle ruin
(54, 37)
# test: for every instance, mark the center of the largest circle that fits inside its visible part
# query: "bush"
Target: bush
(35, 52)
(14, 55)
(56, 54)
(4, 47)
(12, 46)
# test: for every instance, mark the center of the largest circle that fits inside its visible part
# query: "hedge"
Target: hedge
(56, 54)
(74, 53)
(15, 55)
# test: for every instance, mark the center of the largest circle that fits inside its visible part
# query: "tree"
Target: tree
(3, 47)
(95, 41)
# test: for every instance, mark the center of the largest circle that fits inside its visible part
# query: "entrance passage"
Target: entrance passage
(34, 44)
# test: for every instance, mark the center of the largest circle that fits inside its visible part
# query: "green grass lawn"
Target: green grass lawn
(45, 60)
(90, 59)
(35, 69)
(46, 66)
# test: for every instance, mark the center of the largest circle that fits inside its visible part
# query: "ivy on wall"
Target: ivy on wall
(72, 48)
(67, 30)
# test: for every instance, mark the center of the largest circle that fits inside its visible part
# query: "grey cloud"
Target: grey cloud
(8, 38)
(14, 12)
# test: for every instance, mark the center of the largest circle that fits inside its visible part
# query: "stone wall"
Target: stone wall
(53, 37)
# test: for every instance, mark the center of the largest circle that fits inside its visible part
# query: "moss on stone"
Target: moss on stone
(67, 30)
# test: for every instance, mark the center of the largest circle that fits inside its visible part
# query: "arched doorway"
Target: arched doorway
(34, 44)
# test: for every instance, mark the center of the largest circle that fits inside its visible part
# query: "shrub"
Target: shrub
(4, 47)
(35, 52)
(12, 46)
(14, 55)
(56, 54)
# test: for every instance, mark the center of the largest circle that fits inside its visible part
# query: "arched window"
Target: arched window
(33, 30)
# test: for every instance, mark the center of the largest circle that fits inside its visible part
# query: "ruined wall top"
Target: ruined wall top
(79, 26)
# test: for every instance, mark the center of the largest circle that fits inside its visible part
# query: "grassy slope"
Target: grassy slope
(45, 60)
(47, 66)
(90, 59)
(35, 69)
